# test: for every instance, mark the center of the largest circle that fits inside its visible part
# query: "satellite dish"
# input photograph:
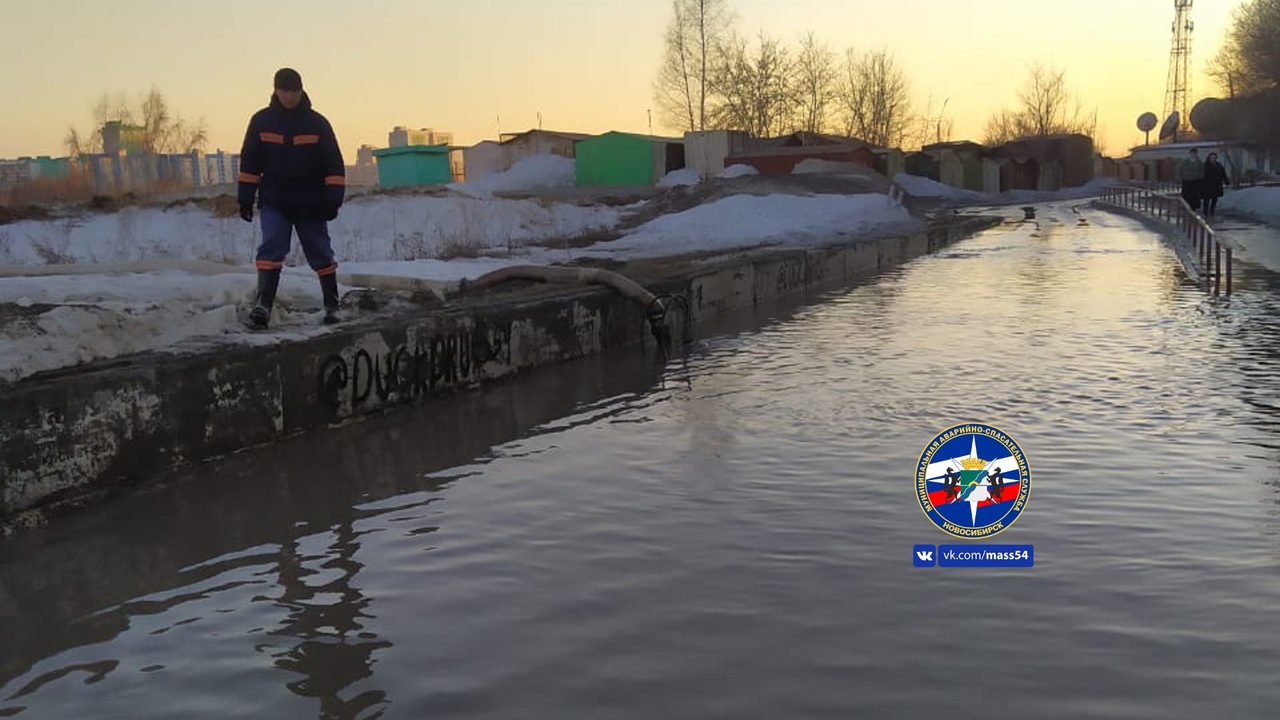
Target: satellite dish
(1212, 116)
(1146, 123)
(1170, 127)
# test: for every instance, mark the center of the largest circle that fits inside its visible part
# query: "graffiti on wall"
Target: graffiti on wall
(790, 275)
(408, 370)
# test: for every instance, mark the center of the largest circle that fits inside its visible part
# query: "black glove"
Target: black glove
(246, 212)
(332, 200)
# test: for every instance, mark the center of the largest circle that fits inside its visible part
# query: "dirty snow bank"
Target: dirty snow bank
(738, 170)
(681, 177)
(375, 228)
(743, 221)
(923, 187)
(1260, 203)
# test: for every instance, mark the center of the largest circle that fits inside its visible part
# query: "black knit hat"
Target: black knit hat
(288, 79)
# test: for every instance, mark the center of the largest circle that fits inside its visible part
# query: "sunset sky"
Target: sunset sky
(586, 65)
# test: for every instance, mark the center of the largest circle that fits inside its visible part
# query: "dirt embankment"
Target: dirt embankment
(222, 206)
(22, 212)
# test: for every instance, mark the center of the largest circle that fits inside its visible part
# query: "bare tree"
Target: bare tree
(1249, 59)
(78, 143)
(874, 96)
(814, 81)
(931, 127)
(162, 131)
(1046, 106)
(1005, 125)
(1228, 69)
(110, 107)
(674, 90)
(694, 36)
(754, 86)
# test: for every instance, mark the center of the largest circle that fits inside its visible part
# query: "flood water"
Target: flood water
(728, 535)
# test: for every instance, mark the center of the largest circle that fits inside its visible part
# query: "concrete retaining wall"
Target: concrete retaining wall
(68, 436)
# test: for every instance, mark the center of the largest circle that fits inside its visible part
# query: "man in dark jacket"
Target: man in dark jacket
(291, 161)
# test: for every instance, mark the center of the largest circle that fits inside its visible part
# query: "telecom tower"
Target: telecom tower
(1178, 88)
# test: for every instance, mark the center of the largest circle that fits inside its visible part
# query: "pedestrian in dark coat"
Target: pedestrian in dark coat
(291, 162)
(1211, 187)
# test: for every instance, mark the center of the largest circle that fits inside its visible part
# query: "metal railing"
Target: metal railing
(1173, 210)
(1159, 186)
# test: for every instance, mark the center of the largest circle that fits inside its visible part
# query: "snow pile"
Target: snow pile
(678, 178)
(443, 227)
(1088, 190)
(738, 170)
(742, 221)
(101, 316)
(1260, 203)
(372, 228)
(527, 174)
(923, 187)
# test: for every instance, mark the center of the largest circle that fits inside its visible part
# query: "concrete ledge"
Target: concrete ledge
(69, 436)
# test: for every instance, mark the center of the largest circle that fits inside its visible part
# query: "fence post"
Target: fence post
(1228, 270)
(1217, 268)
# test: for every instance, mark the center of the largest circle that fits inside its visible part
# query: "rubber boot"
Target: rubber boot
(260, 315)
(329, 289)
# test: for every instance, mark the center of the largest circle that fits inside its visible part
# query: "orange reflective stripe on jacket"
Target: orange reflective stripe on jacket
(249, 178)
(306, 139)
(335, 180)
(271, 137)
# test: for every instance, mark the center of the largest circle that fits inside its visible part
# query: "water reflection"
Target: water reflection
(282, 517)
(726, 537)
(334, 651)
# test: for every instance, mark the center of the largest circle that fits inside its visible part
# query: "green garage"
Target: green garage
(411, 165)
(618, 159)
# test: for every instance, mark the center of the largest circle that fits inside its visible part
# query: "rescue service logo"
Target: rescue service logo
(973, 481)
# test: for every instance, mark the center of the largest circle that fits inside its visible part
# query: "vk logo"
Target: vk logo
(924, 556)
